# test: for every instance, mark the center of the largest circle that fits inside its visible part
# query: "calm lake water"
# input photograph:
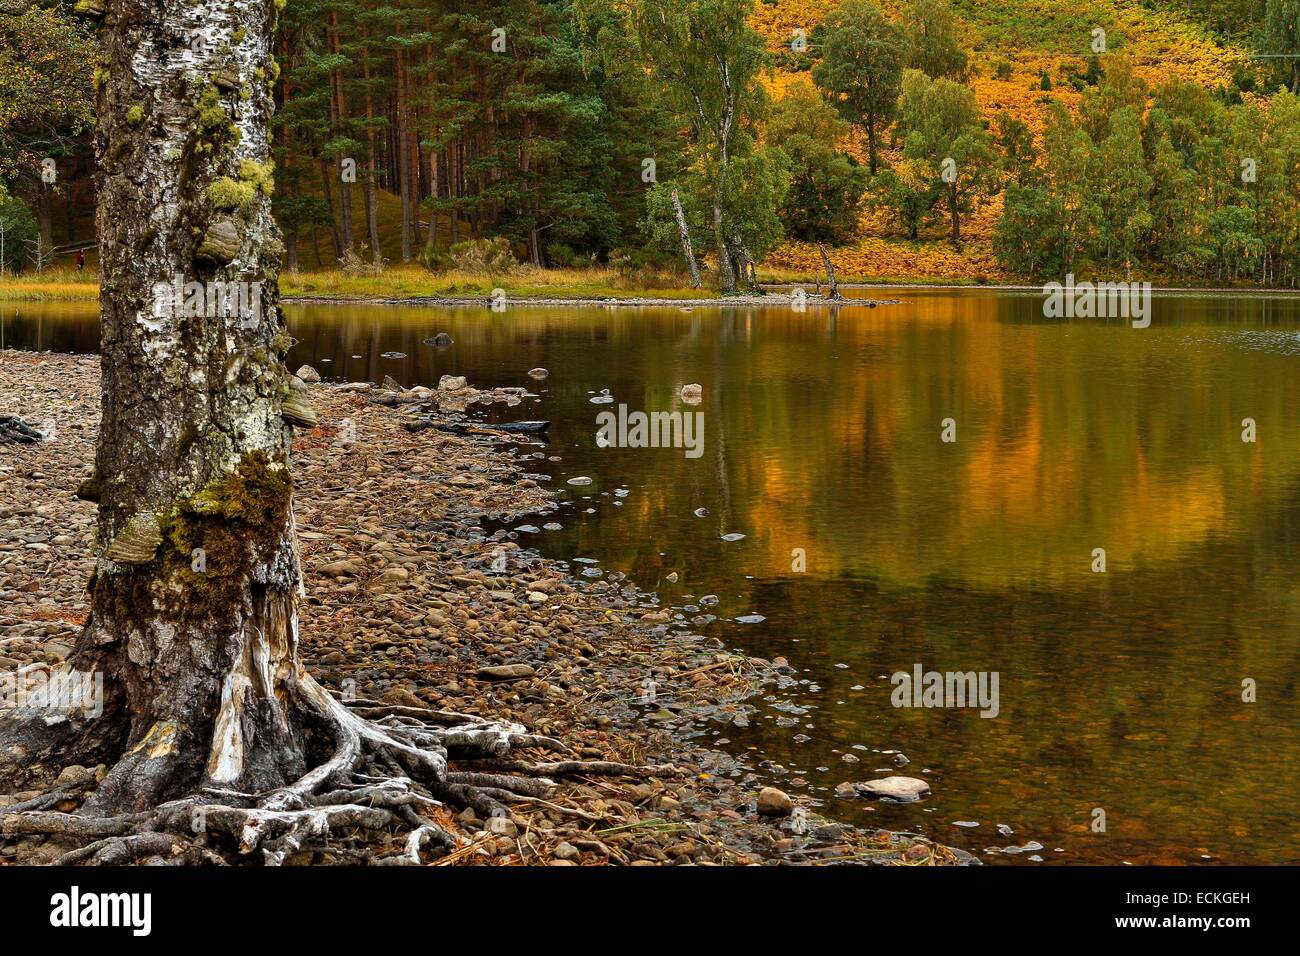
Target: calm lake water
(1119, 690)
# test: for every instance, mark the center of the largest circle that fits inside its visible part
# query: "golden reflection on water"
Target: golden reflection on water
(822, 432)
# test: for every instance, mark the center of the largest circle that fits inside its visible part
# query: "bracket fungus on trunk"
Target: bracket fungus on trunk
(137, 543)
(221, 242)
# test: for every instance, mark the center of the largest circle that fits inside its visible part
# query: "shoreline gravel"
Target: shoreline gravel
(410, 600)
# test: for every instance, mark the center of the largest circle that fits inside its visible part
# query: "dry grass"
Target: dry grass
(404, 282)
(413, 281)
(57, 283)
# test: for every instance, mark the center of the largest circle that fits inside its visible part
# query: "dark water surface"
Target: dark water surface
(1120, 691)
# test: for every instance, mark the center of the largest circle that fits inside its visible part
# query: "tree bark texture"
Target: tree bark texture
(193, 623)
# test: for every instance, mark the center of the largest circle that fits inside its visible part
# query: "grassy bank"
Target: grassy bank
(52, 284)
(402, 282)
(413, 282)
(416, 282)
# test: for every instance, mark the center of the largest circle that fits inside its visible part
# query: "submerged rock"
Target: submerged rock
(901, 789)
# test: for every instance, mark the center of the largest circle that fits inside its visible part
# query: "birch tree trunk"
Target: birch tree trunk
(954, 213)
(192, 468)
(726, 274)
(685, 233)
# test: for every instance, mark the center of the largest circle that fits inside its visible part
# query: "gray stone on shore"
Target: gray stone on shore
(308, 374)
(347, 566)
(451, 383)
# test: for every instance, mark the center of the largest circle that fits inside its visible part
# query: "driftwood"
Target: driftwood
(465, 428)
(14, 429)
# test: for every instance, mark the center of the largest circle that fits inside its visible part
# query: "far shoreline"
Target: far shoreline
(51, 292)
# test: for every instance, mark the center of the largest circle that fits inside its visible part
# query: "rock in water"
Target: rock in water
(441, 340)
(692, 394)
(901, 789)
(308, 374)
(539, 426)
(538, 373)
(774, 803)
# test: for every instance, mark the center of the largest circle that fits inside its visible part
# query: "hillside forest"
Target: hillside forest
(727, 142)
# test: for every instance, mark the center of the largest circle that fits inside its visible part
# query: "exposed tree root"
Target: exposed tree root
(389, 764)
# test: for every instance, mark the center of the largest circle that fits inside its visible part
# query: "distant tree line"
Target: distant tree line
(642, 132)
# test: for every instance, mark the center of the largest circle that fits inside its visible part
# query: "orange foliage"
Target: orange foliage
(1160, 43)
